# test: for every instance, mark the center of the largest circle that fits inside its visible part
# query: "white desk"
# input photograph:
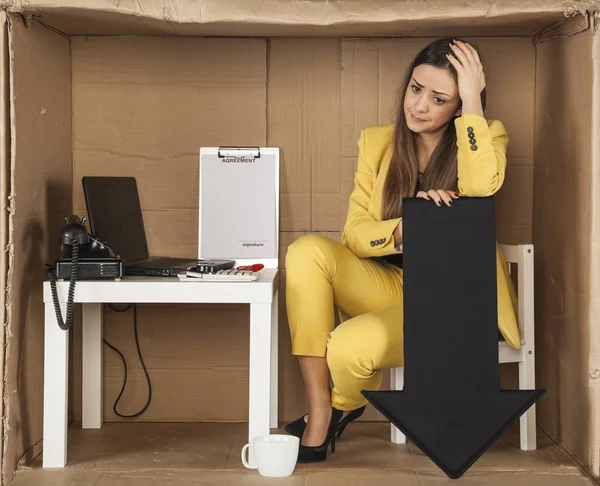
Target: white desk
(261, 295)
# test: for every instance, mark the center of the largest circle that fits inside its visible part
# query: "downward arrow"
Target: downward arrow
(451, 406)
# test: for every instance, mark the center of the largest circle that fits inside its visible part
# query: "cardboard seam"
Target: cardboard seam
(595, 19)
(29, 455)
(594, 396)
(172, 11)
(575, 24)
(36, 18)
(10, 248)
(535, 121)
(582, 8)
(5, 167)
(580, 467)
(28, 17)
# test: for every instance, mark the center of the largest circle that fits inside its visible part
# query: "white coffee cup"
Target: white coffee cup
(274, 455)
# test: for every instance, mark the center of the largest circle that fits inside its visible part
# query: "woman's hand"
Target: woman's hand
(398, 235)
(471, 78)
(438, 196)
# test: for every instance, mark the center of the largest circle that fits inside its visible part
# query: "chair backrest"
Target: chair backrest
(522, 256)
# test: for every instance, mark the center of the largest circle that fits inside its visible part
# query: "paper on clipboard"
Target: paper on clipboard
(239, 196)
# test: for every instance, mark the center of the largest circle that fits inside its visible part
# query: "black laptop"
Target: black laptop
(115, 216)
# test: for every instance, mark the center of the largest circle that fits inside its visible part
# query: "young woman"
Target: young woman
(441, 147)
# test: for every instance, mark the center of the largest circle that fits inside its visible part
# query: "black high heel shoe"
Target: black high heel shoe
(349, 418)
(319, 453)
(297, 426)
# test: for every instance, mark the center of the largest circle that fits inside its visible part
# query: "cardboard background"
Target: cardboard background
(143, 106)
(565, 179)
(5, 184)
(276, 18)
(129, 120)
(40, 97)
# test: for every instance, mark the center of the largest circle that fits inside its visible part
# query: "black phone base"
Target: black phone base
(84, 257)
(91, 268)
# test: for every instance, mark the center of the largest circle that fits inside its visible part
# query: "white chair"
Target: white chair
(521, 255)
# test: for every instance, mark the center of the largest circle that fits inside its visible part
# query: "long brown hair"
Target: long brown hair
(441, 171)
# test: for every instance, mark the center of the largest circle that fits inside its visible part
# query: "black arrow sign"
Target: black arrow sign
(451, 406)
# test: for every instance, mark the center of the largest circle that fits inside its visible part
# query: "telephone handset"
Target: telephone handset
(84, 257)
(74, 233)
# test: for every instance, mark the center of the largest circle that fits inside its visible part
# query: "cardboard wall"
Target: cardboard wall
(143, 106)
(274, 18)
(564, 177)
(41, 166)
(303, 119)
(5, 185)
(594, 335)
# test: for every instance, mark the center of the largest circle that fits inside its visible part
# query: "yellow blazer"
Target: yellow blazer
(481, 169)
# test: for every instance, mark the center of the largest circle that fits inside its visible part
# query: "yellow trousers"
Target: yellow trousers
(323, 274)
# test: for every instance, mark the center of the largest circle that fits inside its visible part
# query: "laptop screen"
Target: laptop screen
(115, 214)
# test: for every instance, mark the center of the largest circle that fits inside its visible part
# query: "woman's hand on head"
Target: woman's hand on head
(438, 196)
(471, 78)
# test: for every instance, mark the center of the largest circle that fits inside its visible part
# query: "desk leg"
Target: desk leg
(91, 354)
(56, 373)
(260, 370)
(274, 360)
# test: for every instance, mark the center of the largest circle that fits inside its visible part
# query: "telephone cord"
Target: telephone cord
(137, 343)
(66, 324)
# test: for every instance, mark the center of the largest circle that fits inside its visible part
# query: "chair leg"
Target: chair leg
(397, 383)
(528, 419)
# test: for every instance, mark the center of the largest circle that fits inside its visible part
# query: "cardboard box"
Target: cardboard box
(135, 88)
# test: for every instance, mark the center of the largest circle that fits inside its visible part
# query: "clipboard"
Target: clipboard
(238, 216)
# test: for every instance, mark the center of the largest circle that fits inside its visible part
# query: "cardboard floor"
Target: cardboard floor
(166, 454)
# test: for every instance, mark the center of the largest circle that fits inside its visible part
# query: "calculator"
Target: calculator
(227, 275)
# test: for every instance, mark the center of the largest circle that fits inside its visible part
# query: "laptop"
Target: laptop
(115, 216)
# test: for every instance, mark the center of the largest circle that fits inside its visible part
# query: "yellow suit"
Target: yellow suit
(480, 173)
(321, 272)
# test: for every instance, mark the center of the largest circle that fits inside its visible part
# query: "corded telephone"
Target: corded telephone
(84, 257)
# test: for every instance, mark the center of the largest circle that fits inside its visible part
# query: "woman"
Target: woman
(440, 148)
